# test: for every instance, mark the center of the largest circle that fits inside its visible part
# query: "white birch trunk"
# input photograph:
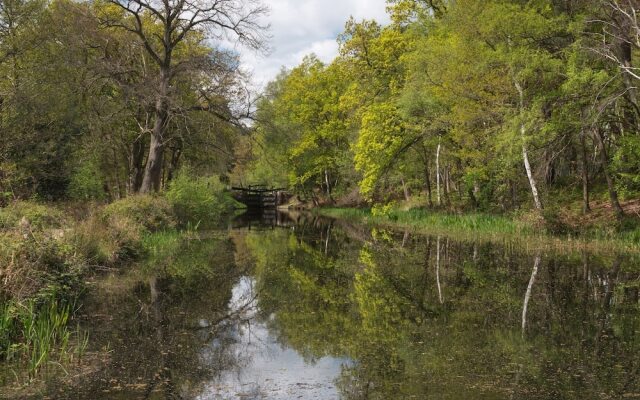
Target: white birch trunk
(527, 296)
(326, 180)
(525, 154)
(438, 271)
(438, 172)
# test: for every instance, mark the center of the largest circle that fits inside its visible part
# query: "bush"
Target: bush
(554, 222)
(385, 211)
(101, 243)
(201, 199)
(38, 216)
(86, 183)
(153, 213)
(33, 262)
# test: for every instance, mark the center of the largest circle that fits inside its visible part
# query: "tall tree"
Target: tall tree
(164, 27)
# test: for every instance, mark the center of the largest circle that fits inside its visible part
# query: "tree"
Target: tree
(164, 28)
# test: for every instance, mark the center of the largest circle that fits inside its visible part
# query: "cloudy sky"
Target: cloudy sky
(301, 27)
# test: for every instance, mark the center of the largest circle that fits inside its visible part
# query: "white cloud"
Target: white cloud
(301, 27)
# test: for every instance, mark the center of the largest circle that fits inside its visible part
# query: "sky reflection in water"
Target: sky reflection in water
(314, 309)
(266, 368)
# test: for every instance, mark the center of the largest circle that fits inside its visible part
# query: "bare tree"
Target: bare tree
(164, 26)
(618, 37)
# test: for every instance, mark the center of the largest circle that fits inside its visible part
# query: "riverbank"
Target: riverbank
(49, 250)
(529, 230)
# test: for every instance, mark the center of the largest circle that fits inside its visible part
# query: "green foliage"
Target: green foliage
(383, 210)
(381, 138)
(87, 183)
(625, 162)
(432, 222)
(554, 223)
(303, 131)
(30, 214)
(71, 126)
(198, 199)
(461, 93)
(35, 333)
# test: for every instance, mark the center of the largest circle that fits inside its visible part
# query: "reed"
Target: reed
(32, 334)
(485, 227)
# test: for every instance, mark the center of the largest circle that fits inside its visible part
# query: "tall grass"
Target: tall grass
(34, 335)
(152, 213)
(531, 232)
(432, 221)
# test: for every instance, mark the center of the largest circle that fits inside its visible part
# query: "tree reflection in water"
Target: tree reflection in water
(462, 330)
(307, 309)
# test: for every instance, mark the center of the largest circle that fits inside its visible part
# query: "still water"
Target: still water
(305, 308)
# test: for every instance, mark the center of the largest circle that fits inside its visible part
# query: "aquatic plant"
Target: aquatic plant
(35, 333)
(492, 227)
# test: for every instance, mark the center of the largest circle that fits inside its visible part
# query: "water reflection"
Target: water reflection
(263, 218)
(323, 309)
(428, 317)
(263, 367)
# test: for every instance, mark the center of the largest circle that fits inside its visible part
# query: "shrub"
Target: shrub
(626, 164)
(386, 211)
(201, 199)
(554, 222)
(38, 216)
(107, 242)
(35, 262)
(153, 213)
(86, 182)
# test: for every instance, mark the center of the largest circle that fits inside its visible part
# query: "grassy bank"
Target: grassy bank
(48, 250)
(528, 229)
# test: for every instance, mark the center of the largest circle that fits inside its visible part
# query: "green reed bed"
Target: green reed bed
(487, 227)
(35, 334)
(424, 219)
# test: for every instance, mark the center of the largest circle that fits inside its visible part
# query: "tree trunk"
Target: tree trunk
(438, 172)
(604, 157)
(175, 162)
(472, 196)
(527, 296)
(626, 53)
(584, 167)
(136, 167)
(328, 184)
(424, 155)
(153, 171)
(514, 194)
(116, 174)
(405, 190)
(427, 181)
(525, 154)
(447, 186)
(476, 192)
(527, 166)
